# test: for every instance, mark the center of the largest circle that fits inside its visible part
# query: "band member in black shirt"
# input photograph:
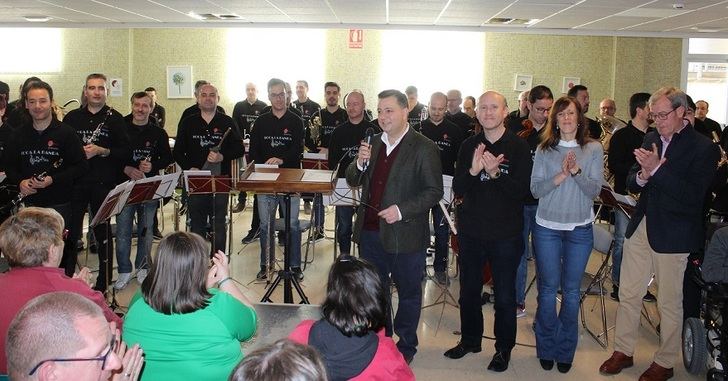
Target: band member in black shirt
(277, 138)
(304, 104)
(581, 93)
(5, 107)
(448, 136)
(44, 158)
(456, 115)
(417, 111)
(195, 108)
(106, 144)
(159, 114)
(245, 113)
(150, 153)
(198, 137)
(344, 146)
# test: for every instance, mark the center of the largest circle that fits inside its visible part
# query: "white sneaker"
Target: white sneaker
(122, 281)
(141, 274)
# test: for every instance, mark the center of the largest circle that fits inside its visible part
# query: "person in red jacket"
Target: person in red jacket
(32, 240)
(350, 337)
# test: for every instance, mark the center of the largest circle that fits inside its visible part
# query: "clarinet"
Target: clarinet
(216, 168)
(39, 177)
(97, 132)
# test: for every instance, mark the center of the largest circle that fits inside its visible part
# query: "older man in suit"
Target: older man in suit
(401, 178)
(674, 168)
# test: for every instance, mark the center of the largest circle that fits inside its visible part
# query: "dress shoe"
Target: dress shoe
(238, 207)
(262, 274)
(615, 293)
(546, 364)
(499, 363)
(656, 373)
(616, 363)
(297, 273)
(649, 297)
(252, 236)
(563, 367)
(460, 350)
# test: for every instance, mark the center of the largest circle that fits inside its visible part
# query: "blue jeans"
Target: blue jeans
(442, 235)
(344, 214)
(267, 205)
(145, 219)
(561, 261)
(406, 270)
(504, 256)
(529, 221)
(620, 228)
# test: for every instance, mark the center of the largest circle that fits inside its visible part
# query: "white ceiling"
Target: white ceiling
(669, 18)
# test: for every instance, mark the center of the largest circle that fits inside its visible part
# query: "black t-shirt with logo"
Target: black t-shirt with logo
(448, 136)
(196, 137)
(148, 142)
(245, 114)
(31, 153)
(329, 121)
(345, 142)
(277, 137)
(307, 108)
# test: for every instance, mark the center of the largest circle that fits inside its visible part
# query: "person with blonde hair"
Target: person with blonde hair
(32, 241)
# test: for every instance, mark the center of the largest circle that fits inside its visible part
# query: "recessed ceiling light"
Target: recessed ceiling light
(195, 16)
(36, 18)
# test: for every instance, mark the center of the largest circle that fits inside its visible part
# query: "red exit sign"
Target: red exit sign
(356, 38)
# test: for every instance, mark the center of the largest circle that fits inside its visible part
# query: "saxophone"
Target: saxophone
(314, 129)
(723, 156)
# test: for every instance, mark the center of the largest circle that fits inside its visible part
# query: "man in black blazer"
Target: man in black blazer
(674, 169)
(401, 178)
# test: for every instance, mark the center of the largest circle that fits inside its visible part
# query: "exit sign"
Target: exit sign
(356, 38)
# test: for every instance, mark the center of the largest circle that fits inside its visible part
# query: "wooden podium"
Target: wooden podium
(287, 181)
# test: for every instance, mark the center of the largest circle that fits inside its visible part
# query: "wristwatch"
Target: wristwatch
(577, 173)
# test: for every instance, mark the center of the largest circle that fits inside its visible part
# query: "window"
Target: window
(30, 50)
(257, 55)
(707, 77)
(432, 61)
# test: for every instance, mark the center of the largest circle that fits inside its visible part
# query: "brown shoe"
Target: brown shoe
(656, 373)
(616, 363)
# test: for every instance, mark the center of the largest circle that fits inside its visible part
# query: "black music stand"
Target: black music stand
(202, 182)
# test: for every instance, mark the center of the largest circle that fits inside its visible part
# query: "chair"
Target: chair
(593, 285)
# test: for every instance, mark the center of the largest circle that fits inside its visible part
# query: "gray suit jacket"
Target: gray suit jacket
(414, 184)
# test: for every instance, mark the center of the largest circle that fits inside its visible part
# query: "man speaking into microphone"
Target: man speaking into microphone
(401, 178)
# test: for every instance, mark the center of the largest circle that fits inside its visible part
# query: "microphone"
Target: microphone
(369, 134)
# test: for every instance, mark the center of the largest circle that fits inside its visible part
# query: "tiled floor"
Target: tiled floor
(439, 324)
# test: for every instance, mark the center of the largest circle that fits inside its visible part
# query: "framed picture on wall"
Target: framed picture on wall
(179, 82)
(569, 82)
(523, 82)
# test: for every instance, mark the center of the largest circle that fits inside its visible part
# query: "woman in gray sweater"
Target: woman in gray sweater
(567, 176)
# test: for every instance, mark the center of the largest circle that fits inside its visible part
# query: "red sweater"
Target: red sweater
(19, 285)
(377, 185)
(387, 364)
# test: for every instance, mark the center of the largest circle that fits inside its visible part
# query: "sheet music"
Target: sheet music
(167, 185)
(447, 189)
(259, 166)
(263, 176)
(317, 176)
(121, 194)
(189, 173)
(314, 156)
(629, 200)
(343, 195)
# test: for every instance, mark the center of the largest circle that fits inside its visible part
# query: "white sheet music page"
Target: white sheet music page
(317, 176)
(263, 176)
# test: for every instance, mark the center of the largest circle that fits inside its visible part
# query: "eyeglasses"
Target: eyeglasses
(661, 115)
(542, 110)
(277, 95)
(103, 358)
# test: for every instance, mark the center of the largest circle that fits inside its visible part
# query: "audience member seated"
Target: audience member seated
(65, 336)
(189, 329)
(350, 337)
(283, 360)
(32, 241)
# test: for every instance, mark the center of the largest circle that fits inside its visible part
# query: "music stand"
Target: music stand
(343, 195)
(203, 182)
(286, 181)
